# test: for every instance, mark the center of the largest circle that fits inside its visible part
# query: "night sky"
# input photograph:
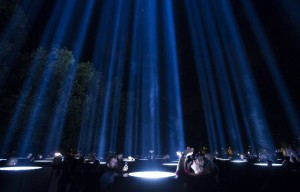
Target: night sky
(280, 27)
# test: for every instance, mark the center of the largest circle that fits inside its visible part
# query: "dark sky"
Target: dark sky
(282, 33)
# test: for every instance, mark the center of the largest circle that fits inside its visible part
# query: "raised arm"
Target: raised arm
(181, 166)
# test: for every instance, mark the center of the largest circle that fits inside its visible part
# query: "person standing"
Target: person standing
(112, 170)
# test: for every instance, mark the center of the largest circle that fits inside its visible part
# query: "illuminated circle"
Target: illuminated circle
(238, 161)
(222, 159)
(101, 162)
(19, 168)
(170, 164)
(128, 160)
(43, 161)
(152, 174)
(265, 164)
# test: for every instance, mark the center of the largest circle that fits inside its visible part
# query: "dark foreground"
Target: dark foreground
(233, 177)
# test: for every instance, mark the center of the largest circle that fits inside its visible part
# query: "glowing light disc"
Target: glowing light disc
(19, 168)
(152, 174)
(265, 164)
(170, 164)
(238, 161)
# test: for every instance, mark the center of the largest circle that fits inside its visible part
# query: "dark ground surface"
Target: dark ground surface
(233, 177)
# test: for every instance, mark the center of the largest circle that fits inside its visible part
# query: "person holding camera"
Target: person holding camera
(196, 171)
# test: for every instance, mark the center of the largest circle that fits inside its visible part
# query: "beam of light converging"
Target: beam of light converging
(57, 123)
(59, 115)
(25, 91)
(106, 130)
(61, 106)
(30, 126)
(132, 113)
(221, 111)
(174, 105)
(232, 73)
(255, 111)
(142, 120)
(63, 24)
(40, 102)
(149, 89)
(82, 31)
(88, 119)
(14, 121)
(206, 77)
(144, 89)
(118, 73)
(45, 83)
(225, 91)
(109, 58)
(272, 64)
(52, 22)
(133, 88)
(90, 133)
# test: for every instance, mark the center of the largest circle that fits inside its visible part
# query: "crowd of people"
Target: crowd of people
(73, 174)
(195, 170)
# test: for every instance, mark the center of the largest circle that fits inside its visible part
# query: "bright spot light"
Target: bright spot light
(152, 174)
(265, 164)
(178, 153)
(170, 164)
(19, 168)
(238, 161)
(222, 159)
(57, 154)
(129, 159)
(43, 161)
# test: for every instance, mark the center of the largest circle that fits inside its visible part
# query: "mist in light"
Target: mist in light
(135, 102)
